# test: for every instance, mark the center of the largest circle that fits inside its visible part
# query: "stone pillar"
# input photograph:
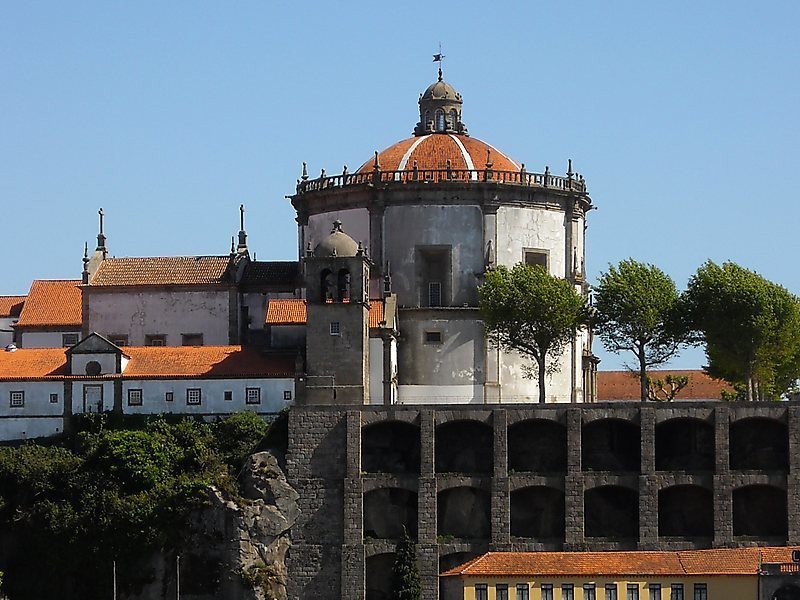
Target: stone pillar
(573, 483)
(793, 479)
(426, 491)
(492, 393)
(353, 468)
(427, 431)
(648, 485)
(353, 572)
(501, 506)
(353, 561)
(723, 488)
(388, 385)
(428, 558)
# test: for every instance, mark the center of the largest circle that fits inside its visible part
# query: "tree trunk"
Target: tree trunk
(542, 372)
(643, 387)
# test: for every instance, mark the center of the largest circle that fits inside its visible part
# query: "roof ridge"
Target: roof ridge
(226, 256)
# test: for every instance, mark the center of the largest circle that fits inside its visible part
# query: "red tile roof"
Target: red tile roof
(52, 303)
(168, 270)
(730, 561)
(623, 385)
(11, 306)
(291, 311)
(183, 362)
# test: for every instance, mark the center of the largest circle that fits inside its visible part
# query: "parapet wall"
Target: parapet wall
(531, 477)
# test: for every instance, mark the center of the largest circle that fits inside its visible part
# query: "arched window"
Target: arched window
(440, 125)
(326, 286)
(343, 287)
(427, 119)
(453, 119)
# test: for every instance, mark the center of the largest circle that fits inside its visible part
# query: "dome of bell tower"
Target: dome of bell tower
(440, 109)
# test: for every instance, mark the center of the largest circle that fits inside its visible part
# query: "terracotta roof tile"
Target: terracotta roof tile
(291, 311)
(52, 303)
(730, 561)
(11, 306)
(623, 385)
(156, 363)
(167, 270)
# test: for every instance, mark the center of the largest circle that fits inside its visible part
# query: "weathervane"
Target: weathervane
(438, 58)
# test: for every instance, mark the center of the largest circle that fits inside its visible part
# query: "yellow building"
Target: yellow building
(719, 574)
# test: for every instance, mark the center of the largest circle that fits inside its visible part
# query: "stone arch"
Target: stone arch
(439, 120)
(464, 513)
(390, 447)
(379, 577)
(685, 510)
(685, 444)
(538, 512)
(326, 286)
(760, 511)
(343, 285)
(787, 592)
(611, 511)
(759, 443)
(387, 511)
(538, 445)
(464, 446)
(610, 445)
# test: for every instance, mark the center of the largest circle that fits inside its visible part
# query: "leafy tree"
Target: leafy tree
(665, 390)
(405, 574)
(529, 311)
(637, 306)
(750, 326)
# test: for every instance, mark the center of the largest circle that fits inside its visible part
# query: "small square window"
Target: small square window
(228, 396)
(193, 396)
(118, 339)
(535, 258)
(16, 399)
(155, 340)
(134, 397)
(169, 396)
(253, 395)
(433, 337)
(53, 398)
(335, 329)
(69, 339)
(192, 339)
(287, 394)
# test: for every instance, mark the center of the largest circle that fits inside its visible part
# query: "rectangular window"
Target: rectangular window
(535, 258)
(547, 591)
(287, 394)
(481, 591)
(155, 340)
(434, 274)
(134, 397)
(169, 396)
(16, 399)
(53, 398)
(676, 592)
(69, 339)
(193, 396)
(588, 591)
(655, 591)
(523, 591)
(611, 591)
(118, 339)
(567, 591)
(501, 591)
(191, 339)
(434, 293)
(334, 328)
(253, 395)
(633, 591)
(700, 591)
(228, 396)
(433, 337)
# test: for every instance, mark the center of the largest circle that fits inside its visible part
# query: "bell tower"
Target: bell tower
(337, 324)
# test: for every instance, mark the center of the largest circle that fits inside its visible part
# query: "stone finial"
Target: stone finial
(85, 273)
(304, 176)
(337, 226)
(547, 176)
(322, 173)
(376, 165)
(489, 162)
(309, 251)
(569, 169)
(344, 171)
(242, 247)
(101, 236)
(360, 251)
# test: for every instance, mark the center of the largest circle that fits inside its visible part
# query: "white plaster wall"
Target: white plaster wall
(37, 398)
(161, 312)
(440, 394)
(21, 428)
(77, 395)
(108, 363)
(6, 333)
(520, 228)
(375, 371)
(44, 339)
(212, 396)
(355, 223)
(515, 388)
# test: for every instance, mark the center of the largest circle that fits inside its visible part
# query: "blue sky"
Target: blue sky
(683, 117)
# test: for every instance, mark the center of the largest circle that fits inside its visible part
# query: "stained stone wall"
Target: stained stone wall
(684, 457)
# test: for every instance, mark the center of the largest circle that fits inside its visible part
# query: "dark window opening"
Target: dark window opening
(433, 267)
(433, 337)
(537, 445)
(388, 512)
(155, 340)
(69, 339)
(464, 513)
(326, 286)
(464, 447)
(611, 445)
(536, 258)
(343, 286)
(759, 444)
(685, 511)
(611, 511)
(192, 339)
(684, 445)
(390, 447)
(538, 512)
(118, 339)
(93, 368)
(760, 511)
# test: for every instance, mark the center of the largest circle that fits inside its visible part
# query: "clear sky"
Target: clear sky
(682, 115)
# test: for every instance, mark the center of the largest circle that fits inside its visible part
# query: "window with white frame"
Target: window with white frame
(69, 339)
(287, 394)
(193, 396)
(134, 397)
(547, 591)
(253, 395)
(676, 591)
(633, 591)
(523, 591)
(53, 398)
(611, 591)
(567, 591)
(16, 399)
(228, 395)
(169, 396)
(481, 591)
(700, 591)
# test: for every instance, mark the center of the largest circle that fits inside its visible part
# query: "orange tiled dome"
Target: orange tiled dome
(434, 150)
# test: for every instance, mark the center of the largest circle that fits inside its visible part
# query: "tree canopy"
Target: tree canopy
(637, 306)
(405, 573)
(527, 310)
(750, 327)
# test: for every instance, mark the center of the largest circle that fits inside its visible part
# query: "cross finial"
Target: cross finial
(241, 217)
(102, 216)
(438, 58)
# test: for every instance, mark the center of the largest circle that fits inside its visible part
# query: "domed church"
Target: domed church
(415, 228)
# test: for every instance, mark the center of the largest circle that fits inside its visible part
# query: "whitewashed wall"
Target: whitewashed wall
(161, 312)
(6, 332)
(44, 339)
(39, 417)
(537, 228)
(79, 391)
(375, 371)
(108, 363)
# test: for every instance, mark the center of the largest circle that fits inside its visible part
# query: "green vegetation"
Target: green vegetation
(405, 574)
(637, 311)
(529, 311)
(110, 494)
(750, 327)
